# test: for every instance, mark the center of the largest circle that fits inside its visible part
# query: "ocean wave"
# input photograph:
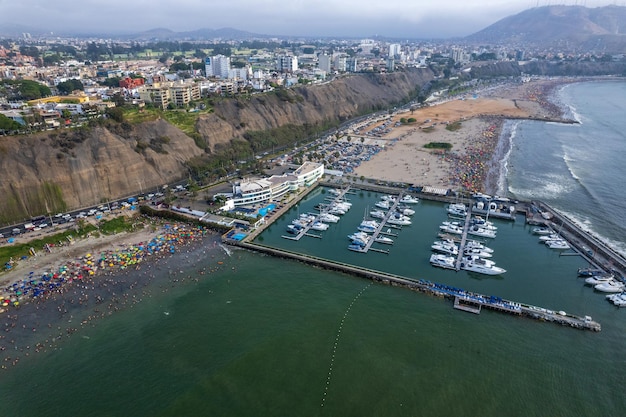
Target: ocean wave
(569, 163)
(509, 132)
(545, 187)
(586, 225)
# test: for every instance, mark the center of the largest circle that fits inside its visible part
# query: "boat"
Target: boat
(293, 229)
(359, 238)
(388, 197)
(542, 231)
(405, 211)
(482, 232)
(368, 226)
(407, 199)
(481, 266)
(320, 226)
(477, 245)
(598, 279)
(589, 272)
(334, 191)
(457, 209)
(356, 248)
(612, 286)
(327, 217)
(446, 247)
(476, 252)
(442, 261)
(384, 239)
(485, 224)
(619, 299)
(384, 204)
(451, 228)
(399, 219)
(551, 236)
(557, 244)
(378, 214)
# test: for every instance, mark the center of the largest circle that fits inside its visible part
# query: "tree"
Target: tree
(8, 125)
(66, 87)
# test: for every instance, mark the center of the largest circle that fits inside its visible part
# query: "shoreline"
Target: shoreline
(476, 145)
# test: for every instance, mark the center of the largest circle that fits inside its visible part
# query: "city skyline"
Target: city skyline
(393, 18)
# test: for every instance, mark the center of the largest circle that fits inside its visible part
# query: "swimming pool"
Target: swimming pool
(263, 211)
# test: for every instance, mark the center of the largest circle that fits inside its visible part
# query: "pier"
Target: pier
(589, 247)
(468, 216)
(462, 300)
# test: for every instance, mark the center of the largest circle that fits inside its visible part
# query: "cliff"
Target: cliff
(55, 171)
(344, 98)
(554, 69)
(52, 172)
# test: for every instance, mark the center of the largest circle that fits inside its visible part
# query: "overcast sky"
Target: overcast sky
(393, 18)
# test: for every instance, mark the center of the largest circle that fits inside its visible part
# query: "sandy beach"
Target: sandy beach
(479, 119)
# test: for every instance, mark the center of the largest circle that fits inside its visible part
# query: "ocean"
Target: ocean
(225, 331)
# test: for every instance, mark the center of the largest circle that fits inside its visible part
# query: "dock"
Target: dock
(462, 300)
(459, 257)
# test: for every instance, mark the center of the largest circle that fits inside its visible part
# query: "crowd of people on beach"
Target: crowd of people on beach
(82, 290)
(468, 169)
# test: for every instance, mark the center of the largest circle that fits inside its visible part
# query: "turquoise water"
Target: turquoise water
(256, 335)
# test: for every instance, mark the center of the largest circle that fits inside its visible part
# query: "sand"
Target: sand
(465, 166)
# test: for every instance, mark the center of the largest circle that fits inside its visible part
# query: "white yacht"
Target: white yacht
(383, 204)
(442, 261)
(598, 279)
(612, 286)
(557, 244)
(618, 299)
(479, 231)
(469, 243)
(320, 226)
(485, 224)
(444, 246)
(542, 231)
(327, 217)
(451, 228)
(457, 209)
(405, 210)
(399, 219)
(377, 214)
(368, 226)
(384, 239)
(481, 266)
(476, 252)
(407, 199)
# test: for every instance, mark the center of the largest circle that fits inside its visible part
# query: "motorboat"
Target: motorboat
(388, 197)
(481, 266)
(359, 236)
(589, 272)
(383, 204)
(368, 226)
(619, 299)
(356, 248)
(334, 191)
(476, 252)
(457, 209)
(557, 244)
(612, 286)
(446, 247)
(551, 236)
(477, 245)
(451, 228)
(405, 211)
(320, 226)
(598, 279)
(542, 231)
(401, 220)
(408, 199)
(384, 239)
(482, 232)
(442, 261)
(327, 217)
(378, 214)
(293, 229)
(485, 224)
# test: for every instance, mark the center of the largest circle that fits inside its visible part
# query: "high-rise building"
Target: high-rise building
(394, 50)
(287, 63)
(217, 66)
(351, 64)
(324, 62)
(340, 63)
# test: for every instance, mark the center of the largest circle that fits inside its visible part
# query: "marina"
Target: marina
(466, 300)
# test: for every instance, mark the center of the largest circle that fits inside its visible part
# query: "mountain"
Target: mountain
(567, 27)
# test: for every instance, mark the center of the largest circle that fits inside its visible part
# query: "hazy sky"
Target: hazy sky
(397, 18)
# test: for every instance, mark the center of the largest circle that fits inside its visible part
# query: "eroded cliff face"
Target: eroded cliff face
(67, 169)
(339, 100)
(48, 173)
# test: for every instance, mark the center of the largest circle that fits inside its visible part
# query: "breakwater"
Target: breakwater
(470, 300)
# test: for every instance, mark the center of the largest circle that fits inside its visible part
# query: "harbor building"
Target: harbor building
(255, 191)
